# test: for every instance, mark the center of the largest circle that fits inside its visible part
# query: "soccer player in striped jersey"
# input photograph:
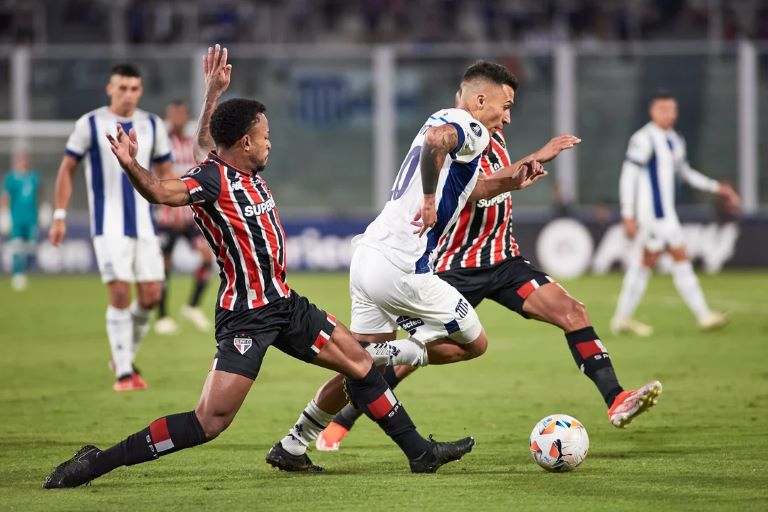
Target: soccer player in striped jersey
(656, 156)
(124, 235)
(175, 223)
(255, 308)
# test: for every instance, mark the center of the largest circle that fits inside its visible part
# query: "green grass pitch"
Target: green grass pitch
(703, 447)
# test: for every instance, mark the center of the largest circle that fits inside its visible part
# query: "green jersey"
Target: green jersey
(22, 189)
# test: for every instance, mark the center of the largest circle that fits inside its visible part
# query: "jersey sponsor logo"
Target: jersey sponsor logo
(259, 209)
(462, 308)
(409, 324)
(476, 129)
(487, 203)
(243, 344)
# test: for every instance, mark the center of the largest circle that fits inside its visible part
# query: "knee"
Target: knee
(213, 423)
(575, 316)
(120, 299)
(151, 297)
(477, 347)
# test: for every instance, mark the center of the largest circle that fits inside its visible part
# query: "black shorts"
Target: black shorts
(169, 236)
(292, 325)
(509, 283)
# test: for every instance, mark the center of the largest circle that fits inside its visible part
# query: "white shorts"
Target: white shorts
(658, 235)
(122, 258)
(385, 297)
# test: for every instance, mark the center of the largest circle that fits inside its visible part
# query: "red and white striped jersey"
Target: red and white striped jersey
(482, 237)
(238, 217)
(183, 151)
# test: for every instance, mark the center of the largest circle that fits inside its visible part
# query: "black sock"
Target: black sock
(376, 399)
(163, 436)
(162, 307)
(592, 358)
(349, 414)
(201, 281)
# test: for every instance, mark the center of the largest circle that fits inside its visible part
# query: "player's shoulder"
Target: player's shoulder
(453, 115)
(93, 114)
(208, 167)
(144, 115)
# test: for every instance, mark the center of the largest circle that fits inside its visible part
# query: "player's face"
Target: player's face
(177, 117)
(494, 108)
(124, 93)
(257, 145)
(664, 113)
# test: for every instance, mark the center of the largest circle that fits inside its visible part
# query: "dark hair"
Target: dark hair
(662, 94)
(496, 73)
(177, 103)
(232, 119)
(125, 70)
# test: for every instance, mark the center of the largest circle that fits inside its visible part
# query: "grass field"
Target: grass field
(702, 447)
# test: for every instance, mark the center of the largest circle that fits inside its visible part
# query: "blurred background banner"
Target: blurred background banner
(348, 83)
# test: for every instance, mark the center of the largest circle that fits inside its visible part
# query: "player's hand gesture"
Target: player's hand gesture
(426, 217)
(630, 228)
(125, 146)
(551, 149)
(528, 173)
(217, 71)
(731, 199)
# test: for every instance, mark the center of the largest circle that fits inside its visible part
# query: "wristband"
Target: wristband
(59, 214)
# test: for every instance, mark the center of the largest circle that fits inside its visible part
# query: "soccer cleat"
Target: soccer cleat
(196, 317)
(283, 460)
(441, 453)
(631, 326)
(138, 382)
(19, 282)
(75, 471)
(330, 438)
(128, 383)
(713, 320)
(166, 326)
(629, 404)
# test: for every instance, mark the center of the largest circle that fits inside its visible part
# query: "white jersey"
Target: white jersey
(116, 208)
(647, 184)
(391, 232)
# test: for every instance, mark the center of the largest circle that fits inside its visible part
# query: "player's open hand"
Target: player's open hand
(426, 217)
(551, 149)
(217, 71)
(528, 173)
(124, 146)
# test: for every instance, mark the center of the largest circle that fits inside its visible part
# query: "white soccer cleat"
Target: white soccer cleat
(19, 282)
(166, 326)
(713, 320)
(196, 317)
(631, 326)
(630, 404)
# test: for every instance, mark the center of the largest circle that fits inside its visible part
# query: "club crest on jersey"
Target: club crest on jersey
(193, 171)
(243, 344)
(476, 129)
(409, 324)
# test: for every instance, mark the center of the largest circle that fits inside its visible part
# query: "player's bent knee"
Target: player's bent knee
(214, 424)
(478, 346)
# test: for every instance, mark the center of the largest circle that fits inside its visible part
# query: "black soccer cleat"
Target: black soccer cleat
(441, 453)
(74, 472)
(284, 460)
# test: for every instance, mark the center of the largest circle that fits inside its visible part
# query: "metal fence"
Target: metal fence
(342, 116)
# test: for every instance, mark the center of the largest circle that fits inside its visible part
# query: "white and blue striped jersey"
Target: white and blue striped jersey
(647, 183)
(391, 232)
(116, 208)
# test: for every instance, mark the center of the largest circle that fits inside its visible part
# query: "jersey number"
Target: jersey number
(405, 174)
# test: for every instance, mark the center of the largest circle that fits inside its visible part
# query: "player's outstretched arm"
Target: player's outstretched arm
(554, 147)
(515, 177)
(169, 192)
(217, 77)
(438, 142)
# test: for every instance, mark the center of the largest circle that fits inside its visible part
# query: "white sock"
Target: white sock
(632, 290)
(311, 422)
(391, 353)
(119, 332)
(688, 287)
(140, 318)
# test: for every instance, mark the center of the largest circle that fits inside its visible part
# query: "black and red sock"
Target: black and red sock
(163, 436)
(375, 398)
(349, 414)
(202, 274)
(592, 358)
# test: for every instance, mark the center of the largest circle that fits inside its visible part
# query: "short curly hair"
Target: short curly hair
(496, 73)
(233, 118)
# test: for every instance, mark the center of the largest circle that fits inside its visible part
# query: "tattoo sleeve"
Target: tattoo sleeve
(203, 140)
(439, 141)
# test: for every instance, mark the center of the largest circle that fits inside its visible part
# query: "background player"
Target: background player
(19, 204)
(124, 237)
(174, 223)
(255, 308)
(656, 154)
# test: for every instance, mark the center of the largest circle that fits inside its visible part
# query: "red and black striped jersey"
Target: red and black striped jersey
(482, 236)
(183, 152)
(238, 217)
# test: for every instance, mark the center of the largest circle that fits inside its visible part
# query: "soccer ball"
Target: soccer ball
(559, 443)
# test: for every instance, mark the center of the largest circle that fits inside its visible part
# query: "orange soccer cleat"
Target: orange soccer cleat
(629, 404)
(330, 438)
(138, 382)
